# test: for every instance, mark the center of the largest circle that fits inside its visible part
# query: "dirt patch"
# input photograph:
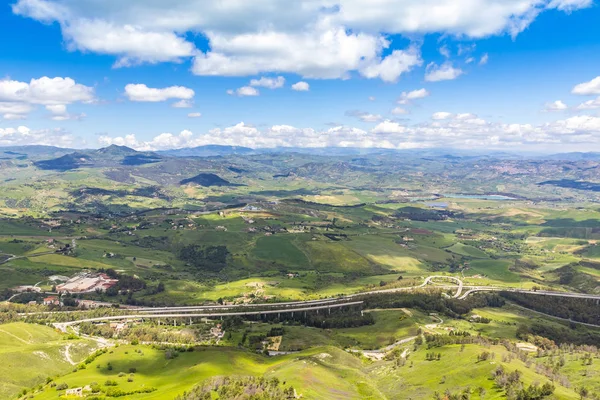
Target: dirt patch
(419, 231)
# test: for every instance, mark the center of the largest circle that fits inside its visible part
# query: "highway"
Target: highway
(475, 289)
(462, 292)
(63, 325)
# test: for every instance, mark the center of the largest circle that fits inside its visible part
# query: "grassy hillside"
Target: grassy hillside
(31, 353)
(318, 373)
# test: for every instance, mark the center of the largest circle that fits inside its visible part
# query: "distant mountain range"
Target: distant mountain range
(62, 159)
(208, 151)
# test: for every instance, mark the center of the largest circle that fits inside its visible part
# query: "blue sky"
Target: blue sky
(510, 74)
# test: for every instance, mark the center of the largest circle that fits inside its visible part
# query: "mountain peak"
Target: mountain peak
(116, 150)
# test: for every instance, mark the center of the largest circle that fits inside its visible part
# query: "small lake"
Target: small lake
(479, 196)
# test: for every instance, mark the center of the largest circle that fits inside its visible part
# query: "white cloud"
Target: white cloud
(244, 91)
(390, 127)
(14, 110)
(443, 72)
(321, 52)
(22, 135)
(557, 105)
(301, 86)
(46, 91)
(459, 131)
(141, 92)
(466, 48)
(183, 104)
(465, 116)
(195, 115)
(590, 104)
(364, 116)
(441, 115)
(399, 111)
(67, 117)
(588, 88)
(408, 97)
(313, 38)
(12, 116)
(484, 59)
(391, 67)
(270, 83)
(59, 113)
(570, 5)
(17, 98)
(132, 44)
(57, 108)
(372, 98)
(444, 51)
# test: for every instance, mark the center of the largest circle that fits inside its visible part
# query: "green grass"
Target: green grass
(280, 249)
(456, 371)
(467, 251)
(31, 353)
(495, 270)
(318, 373)
(384, 251)
(334, 376)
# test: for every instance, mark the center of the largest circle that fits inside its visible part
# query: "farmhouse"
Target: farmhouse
(52, 300)
(87, 282)
(75, 392)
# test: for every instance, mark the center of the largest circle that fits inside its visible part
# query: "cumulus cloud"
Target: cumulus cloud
(590, 104)
(557, 105)
(399, 111)
(244, 91)
(364, 116)
(441, 115)
(444, 72)
(17, 98)
(313, 38)
(408, 97)
(143, 93)
(588, 88)
(301, 86)
(195, 115)
(23, 135)
(458, 130)
(570, 5)
(47, 91)
(183, 104)
(11, 111)
(270, 83)
(391, 67)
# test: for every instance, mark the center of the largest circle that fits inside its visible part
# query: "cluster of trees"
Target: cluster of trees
(205, 258)
(240, 388)
(433, 303)
(461, 395)
(141, 333)
(576, 309)
(422, 214)
(575, 334)
(337, 319)
(511, 383)
(486, 355)
(433, 356)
